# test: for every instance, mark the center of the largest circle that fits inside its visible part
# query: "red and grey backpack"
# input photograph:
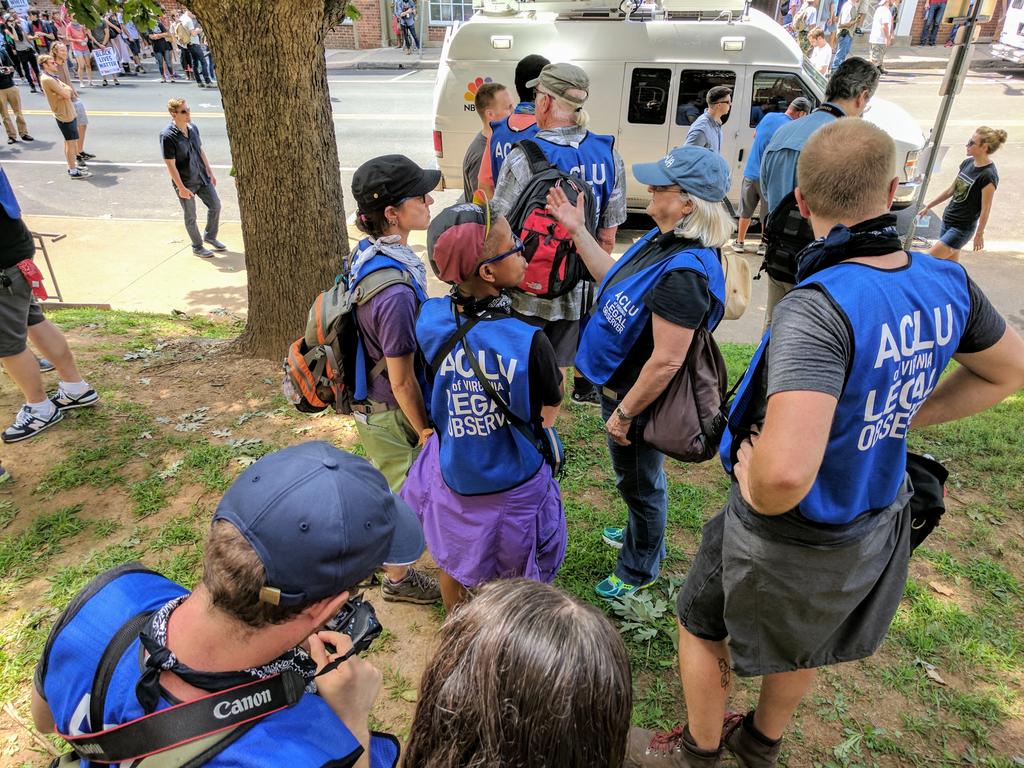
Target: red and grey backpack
(553, 265)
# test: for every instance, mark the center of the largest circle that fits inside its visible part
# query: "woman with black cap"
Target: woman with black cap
(498, 511)
(649, 303)
(393, 199)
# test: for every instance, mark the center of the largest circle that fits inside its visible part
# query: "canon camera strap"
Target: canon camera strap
(189, 721)
(831, 109)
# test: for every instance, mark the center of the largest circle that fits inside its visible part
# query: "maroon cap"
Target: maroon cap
(455, 242)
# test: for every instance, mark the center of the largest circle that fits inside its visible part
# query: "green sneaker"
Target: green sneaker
(613, 537)
(613, 587)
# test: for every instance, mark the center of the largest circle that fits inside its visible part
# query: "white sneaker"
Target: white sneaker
(737, 246)
(64, 401)
(28, 424)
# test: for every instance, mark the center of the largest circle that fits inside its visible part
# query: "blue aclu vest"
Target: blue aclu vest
(504, 137)
(592, 160)
(620, 314)
(375, 264)
(306, 735)
(481, 452)
(906, 326)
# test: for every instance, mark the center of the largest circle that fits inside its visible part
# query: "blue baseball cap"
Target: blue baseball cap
(696, 170)
(320, 519)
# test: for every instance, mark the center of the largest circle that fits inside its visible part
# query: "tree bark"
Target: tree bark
(272, 72)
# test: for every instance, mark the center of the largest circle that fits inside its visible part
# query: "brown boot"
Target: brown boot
(675, 749)
(751, 748)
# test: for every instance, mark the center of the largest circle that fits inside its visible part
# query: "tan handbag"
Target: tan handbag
(687, 420)
(738, 284)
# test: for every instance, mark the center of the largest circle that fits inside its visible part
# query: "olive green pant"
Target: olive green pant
(391, 444)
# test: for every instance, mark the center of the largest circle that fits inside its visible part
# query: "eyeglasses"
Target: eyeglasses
(723, 101)
(421, 198)
(517, 247)
(665, 188)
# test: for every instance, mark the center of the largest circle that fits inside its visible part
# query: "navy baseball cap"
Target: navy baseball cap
(696, 170)
(321, 520)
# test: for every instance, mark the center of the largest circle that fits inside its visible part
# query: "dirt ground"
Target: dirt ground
(150, 412)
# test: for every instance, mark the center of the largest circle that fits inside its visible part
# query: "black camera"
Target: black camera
(358, 620)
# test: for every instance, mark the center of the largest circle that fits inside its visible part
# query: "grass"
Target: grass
(975, 638)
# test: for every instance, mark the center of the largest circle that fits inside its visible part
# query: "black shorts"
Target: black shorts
(135, 46)
(18, 310)
(69, 130)
(789, 593)
(564, 336)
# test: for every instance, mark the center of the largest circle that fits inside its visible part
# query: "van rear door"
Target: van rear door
(693, 82)
(644, 121)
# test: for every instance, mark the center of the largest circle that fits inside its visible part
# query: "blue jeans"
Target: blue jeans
(164, 59)
(640, 479)
(843, 46)
(932, 19)
(409, 39)
(955, 237)
(208, 194)
(199, 68)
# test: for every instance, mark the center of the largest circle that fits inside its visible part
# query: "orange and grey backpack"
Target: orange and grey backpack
(327, 366)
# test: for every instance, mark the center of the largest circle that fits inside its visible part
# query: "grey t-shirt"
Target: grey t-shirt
(811, 346)
(471, 166)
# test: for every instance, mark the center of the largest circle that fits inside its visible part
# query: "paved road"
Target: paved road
(379, 112)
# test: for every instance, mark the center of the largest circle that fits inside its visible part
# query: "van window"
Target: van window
(648, 96)
(694, 85)
(773, 91)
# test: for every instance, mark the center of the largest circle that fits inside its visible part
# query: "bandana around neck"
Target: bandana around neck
(162, 659)
(391, 245)
(874, 237)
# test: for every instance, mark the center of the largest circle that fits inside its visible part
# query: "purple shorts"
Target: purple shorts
(474, 539)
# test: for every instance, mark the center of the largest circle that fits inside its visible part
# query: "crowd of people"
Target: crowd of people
(457, 408)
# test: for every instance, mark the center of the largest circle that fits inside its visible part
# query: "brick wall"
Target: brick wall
(989, 30)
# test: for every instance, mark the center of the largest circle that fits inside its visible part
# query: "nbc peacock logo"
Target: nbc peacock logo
(471, 88)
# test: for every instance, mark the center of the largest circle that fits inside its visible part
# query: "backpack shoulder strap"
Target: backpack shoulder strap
(377, 281)
(535, 155)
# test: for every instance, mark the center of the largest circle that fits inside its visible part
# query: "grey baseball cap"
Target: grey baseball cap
(558, 79)
(801, 103)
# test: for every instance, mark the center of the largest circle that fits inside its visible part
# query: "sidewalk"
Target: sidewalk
(900, 56)
(382, 58)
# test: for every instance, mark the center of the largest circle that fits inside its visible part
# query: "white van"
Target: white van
(649, 71)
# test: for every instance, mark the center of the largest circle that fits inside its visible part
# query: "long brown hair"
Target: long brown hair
(524, 675)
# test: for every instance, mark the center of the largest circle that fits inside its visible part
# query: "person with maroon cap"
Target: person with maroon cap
(393, 199)
(495, 382)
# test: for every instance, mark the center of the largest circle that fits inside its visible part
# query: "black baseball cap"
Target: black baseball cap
(388, 179)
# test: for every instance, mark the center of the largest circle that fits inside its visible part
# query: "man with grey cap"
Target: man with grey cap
(290, 539)
(751, 198)
(561, 92)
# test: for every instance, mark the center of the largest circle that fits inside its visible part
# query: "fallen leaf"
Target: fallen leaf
(245, 461)
(930, 671)
(146, 435)
(221, 433)
(941, 588)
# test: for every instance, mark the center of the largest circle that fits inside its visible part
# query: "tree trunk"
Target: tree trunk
(273, 78)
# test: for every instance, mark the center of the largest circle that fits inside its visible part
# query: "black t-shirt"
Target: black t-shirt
(965, 207)
(160, 44)
(185, 151)
(681, 297)
(16, 243)
(6, 80)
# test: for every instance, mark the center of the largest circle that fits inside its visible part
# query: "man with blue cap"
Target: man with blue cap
(649, 305)
(293, 535)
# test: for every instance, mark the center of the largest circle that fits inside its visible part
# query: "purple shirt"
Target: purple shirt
(388, 325)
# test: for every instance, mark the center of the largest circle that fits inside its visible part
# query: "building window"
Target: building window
(694, 85)
(449, 11)
(648, 96)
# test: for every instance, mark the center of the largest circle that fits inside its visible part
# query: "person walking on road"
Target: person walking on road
(61, 100)
(972, 191)
(10, 99)
(405, 12)
(192, 177)
(78, 38)
(163, 49)
(196, 54)
(101, 36)
(24, 49)
(849, 18)
(60, 56)
(881, 34)
(706, 130)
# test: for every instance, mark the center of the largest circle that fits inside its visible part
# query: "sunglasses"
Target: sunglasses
(421, 198)
(183, 111)
(517, 247)
(666, 188)
(971, 143)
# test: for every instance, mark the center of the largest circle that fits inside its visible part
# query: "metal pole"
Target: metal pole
(961, 59)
